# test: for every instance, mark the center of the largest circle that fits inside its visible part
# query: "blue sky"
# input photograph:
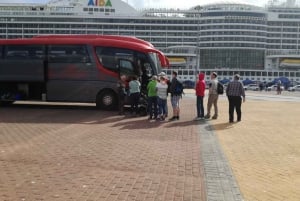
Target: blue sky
(158, 3)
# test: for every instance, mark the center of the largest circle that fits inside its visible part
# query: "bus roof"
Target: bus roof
(95, 40)
(95, 36)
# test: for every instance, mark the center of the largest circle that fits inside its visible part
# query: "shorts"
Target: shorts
(175, 101)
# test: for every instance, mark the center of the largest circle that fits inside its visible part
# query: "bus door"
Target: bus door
(22, 71)
(71, 72)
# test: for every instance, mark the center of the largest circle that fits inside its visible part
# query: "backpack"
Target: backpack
(220, 88)
(178, 90)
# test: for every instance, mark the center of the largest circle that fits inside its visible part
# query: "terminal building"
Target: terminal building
(259, 43)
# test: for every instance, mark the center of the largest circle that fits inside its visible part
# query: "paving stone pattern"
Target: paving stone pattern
(218, 177)
(79, 153)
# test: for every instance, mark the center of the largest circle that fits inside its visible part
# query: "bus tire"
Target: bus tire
(106, 100)
(6, 103)
(142, 111)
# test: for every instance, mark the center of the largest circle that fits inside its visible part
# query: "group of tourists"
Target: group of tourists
(158, 90)
(159, 87)
(235, 93)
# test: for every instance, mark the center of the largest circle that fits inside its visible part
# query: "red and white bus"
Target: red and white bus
(73, 68)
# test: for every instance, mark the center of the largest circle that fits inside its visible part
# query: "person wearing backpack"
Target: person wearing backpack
(176, 93)
(200, 92)
(213, 96)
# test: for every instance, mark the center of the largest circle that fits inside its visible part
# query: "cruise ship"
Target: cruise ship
(262, 44)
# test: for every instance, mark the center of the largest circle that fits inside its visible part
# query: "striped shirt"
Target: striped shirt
(162, 88)
(235, 88)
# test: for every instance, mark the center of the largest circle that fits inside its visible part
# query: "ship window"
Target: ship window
(68, 54)
(24, 52)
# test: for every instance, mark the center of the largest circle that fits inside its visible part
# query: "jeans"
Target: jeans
(200, 107)
(152, 106)
(135, 98)
(162, 106)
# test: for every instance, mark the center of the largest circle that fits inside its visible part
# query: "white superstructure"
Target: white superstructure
(230, 36)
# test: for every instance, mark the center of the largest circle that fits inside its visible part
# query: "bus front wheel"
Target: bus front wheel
(106, 100)
(6, 103)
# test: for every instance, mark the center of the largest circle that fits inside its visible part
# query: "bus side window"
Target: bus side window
(126, 67)
(1, 51)
(25, 52)
(68, 54)
(109, 56)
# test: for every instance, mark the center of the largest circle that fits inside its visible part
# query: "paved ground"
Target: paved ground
(263, 150)
(77, 153)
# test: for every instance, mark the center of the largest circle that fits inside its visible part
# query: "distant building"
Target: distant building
(229, 37)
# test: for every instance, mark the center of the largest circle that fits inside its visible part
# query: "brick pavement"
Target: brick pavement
(62, 153)
(77, 153)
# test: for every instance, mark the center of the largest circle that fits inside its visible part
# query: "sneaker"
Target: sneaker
(177, 117)
(198, 119)
(173, 119)
(207, 116)
(215, 117)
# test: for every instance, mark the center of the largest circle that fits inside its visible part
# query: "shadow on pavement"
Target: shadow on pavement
(219, 126)
(184, 123)
(133, 123)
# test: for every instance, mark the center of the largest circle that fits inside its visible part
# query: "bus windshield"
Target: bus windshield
(156, 61)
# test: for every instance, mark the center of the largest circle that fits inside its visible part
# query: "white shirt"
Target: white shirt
(162, 88)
